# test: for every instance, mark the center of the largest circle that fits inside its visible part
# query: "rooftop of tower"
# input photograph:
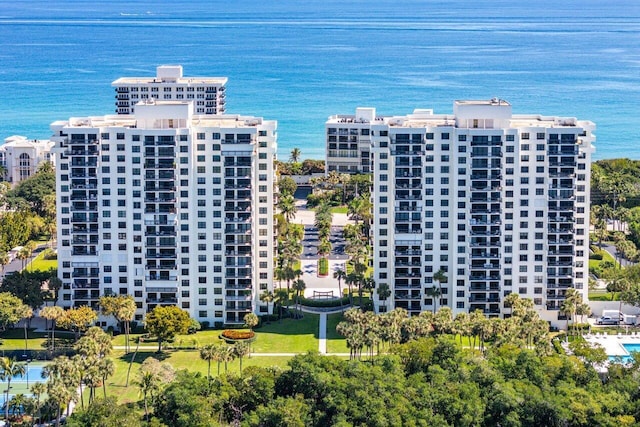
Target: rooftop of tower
(170, 74)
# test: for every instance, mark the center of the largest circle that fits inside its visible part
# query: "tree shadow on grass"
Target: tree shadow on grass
(141, 356)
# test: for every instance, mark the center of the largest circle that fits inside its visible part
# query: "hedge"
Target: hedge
(324, 302)
(323, 267)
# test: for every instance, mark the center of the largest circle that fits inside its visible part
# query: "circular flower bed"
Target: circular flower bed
(231, 335)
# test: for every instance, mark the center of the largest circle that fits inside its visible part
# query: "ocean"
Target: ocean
(301, 61)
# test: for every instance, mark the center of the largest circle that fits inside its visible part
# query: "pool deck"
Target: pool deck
(612, 344)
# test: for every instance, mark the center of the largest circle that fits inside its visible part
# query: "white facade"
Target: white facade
(498, 201)
(168, 206)
(207, 93)
(21, 157)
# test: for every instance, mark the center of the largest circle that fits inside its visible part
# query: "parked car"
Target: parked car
(607, 320)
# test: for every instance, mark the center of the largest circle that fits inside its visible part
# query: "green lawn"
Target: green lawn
(340, 209)
(285, 336)
(41, 264)
(288, 335)
(604, 296)
(335, 342)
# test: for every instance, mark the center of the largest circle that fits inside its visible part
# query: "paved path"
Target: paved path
(322, 334)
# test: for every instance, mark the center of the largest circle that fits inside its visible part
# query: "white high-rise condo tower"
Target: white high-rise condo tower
(207, 93)
(499, 202)
(170, 207)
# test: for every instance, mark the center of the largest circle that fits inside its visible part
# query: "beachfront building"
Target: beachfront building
(207, 93)
(497, 202)
(168, 206)
(20, 157)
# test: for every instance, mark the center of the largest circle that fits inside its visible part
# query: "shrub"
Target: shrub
(323, 267)
(218, 325)
(324, 302)
(237, 335)
(597, 256)
(49, 254)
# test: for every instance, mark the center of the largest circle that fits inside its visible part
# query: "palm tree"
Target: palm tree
(268, 297)
(60, 393)
(298, 286)
(281, 295)
(295, 155)
(38, 389)
(25, 313)
(9, 369)
(350, 280)
(287, 205)
(440, 277)
(340, 275)
(383, 293)
(23, 254)
(106, 368)
(569, 305)
(434, 293)
(219, 354)
(240, 349)
(17, 403)
(148, 383)
(52, 313)
(228, 356)
(207, 353)
(123, 309)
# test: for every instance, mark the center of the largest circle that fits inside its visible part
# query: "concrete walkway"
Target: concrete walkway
(322, 334)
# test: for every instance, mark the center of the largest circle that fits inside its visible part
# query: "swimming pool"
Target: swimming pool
(630, 348)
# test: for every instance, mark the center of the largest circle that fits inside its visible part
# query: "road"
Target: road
(16, 265)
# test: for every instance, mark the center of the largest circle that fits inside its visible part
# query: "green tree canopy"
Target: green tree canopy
(165, 322)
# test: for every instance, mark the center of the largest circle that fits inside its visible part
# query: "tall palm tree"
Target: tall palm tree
(340, 275)
(147, 383)
(52, 313)
(287, 206)
(228, 356)
(38, 389)
(9, 369)
(298, 286)
(440, 277)
(106, 368)
(207, 353)
(295, 155)
(268, 297)
(26, 313)
(241, 349)
(219, 354)
(434, 292)
(383, 293)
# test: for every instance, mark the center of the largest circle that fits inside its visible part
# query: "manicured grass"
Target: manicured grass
(288, 335)
(604, 296)
(41, 264)
(285, 336)
(340, 210)
(13, 339)
(335, 342)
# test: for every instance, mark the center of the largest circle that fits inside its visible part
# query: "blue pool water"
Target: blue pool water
(630, 348)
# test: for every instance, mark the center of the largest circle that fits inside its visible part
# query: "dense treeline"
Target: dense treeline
(31, 209)
(428, 382)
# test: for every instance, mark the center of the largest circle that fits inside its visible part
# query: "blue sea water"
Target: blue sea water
(301, 61)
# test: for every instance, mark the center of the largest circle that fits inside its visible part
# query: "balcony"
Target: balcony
(161, 255)
(81, 252)
(154, 277)
(161, 267)
(162, 300)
